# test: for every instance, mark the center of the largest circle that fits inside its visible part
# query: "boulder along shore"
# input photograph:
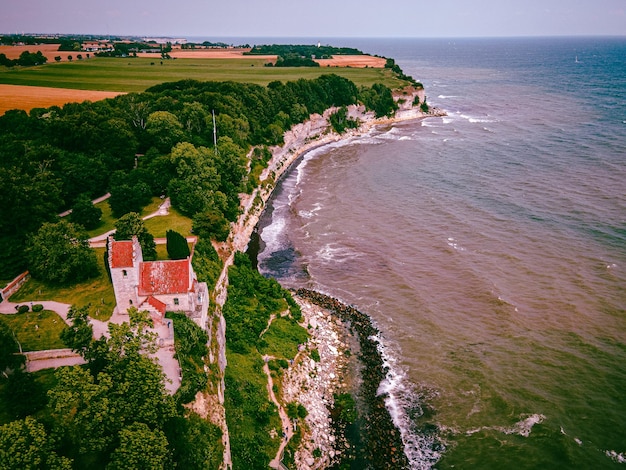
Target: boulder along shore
(350, 362)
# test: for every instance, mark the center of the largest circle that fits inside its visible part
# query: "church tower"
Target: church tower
(125, 256)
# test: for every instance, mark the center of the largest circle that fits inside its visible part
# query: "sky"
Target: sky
(316, 18)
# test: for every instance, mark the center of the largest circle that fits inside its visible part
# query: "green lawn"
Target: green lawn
(107, 221)
(98, 292)
(159, 225)
(37, 331)
(137, 74)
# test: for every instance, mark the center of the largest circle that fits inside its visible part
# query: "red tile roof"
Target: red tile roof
(157, 304)
(165, 277)
(121, 254)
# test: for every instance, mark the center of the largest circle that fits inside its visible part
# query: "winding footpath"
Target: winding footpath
(286, 422)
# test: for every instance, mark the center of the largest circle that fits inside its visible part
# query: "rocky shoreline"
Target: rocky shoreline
(350, 361)
(374, 440)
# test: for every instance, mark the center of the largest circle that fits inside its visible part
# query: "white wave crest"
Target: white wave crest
(474, 119)
(400, 397)
(271, 234)
(310, 213)
(525, 426)
(332, 252)
(453, 244)
(616, 457)
(522, 428)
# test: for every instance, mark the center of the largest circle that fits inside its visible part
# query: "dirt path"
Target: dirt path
(286, 422)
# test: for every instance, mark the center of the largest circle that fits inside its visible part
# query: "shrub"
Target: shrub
(344, 409)
(37, 308)
(278, 364)
(23, 309)
(177, 247)
(315, 355)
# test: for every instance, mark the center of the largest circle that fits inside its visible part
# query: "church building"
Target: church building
(155, 286)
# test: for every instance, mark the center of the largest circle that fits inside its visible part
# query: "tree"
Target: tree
(130, 225)
(86, 213)
(82, 409)
(128, 193)
(177, 247)
(165, 129)
(60, 254)
(24, 444)
(30, 196)
(195, 442)
(9, 359)
(22, 394)
(121, 386)
(79, 335)
(140, 449)
(211, 224)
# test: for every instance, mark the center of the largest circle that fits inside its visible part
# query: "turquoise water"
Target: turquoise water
(489, 247)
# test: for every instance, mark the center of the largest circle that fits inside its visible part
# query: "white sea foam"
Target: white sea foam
(271, 234)
(311, 213)
(336, 254)
(616, 457)
(525, 426)
(400, 397)
(522, 427)
(475, 119)
(443, 97)
(452, 243)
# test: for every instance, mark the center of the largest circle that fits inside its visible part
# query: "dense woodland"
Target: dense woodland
(159, 142)
(136, 146)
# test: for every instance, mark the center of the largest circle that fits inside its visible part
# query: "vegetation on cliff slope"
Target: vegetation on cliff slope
(156, 143)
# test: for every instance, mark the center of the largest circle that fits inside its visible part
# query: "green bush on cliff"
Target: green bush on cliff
(191, 348)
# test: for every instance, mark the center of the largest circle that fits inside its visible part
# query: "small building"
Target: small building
(155, 286)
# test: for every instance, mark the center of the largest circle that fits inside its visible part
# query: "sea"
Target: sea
(488, 246)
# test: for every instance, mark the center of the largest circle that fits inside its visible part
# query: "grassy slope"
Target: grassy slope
(137, 74)
(37, 331)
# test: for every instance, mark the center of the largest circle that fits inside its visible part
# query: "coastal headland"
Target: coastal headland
(350, 361)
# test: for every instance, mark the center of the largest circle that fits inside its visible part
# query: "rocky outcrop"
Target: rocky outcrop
(376, 441)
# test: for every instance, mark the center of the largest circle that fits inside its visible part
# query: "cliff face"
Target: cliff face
(301, 138)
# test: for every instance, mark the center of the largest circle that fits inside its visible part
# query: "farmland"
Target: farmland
(136, 74)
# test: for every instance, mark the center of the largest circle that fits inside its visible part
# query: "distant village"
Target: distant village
(110, 45)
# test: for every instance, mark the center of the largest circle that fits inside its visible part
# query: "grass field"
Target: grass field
(138, 74)
(37, 331)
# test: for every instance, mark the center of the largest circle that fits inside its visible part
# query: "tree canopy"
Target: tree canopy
(159, 142)
(59, 253)
(131, 225)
